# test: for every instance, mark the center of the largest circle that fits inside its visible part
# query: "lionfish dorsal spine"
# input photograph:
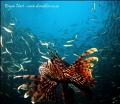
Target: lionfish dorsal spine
(79, 71)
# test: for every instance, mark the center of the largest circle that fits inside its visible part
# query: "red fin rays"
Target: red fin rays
(79, 72)
(43, 89)
(89, 51)
(88, 60)
(30, 84)
(30, 92)
(51, 93)
(43, 92)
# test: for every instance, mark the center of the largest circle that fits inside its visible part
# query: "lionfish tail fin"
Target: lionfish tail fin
(79, 71)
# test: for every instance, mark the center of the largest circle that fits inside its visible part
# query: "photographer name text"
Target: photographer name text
(30, 6)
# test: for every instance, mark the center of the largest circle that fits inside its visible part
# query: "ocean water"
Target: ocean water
(73, 27)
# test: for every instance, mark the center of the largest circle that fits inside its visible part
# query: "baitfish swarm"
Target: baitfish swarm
(56, 71)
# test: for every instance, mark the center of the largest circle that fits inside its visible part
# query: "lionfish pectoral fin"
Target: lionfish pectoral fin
(85, 90)
(30, 92)
(30, 84)
(51, 94)
(67, 93)
(45, 91)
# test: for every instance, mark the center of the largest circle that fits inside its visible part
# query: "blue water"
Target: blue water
(25, 28)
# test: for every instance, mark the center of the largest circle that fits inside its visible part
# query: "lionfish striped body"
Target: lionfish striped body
(56, 71)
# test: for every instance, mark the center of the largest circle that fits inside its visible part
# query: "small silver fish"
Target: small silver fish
(18, 52)
(6, 29)
(63, 58)
(26, 61)
(40, 51)
(76, 36)
(1, 41)
(3, 52)
(76, 55)
(68, 45)
(44, 57)
(44, 43)
(10, 41)
(21, 67)
(69, 41)
(25, 41)
(1, 68)
(93, 18)
(12, 23)
(8, 51)
(25, 58)
(17, 65)
(94, 6)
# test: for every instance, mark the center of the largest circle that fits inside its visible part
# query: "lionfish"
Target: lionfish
(56, 71)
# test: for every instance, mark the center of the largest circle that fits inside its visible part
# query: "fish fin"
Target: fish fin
(80, 79)
(89, 51)
(79, 72)
(43, 92)
(30, 92)
(32, 77)
(39, 94)
(30, 84)
(88, 60)
(51, 94)
(67, 93)
(43, 89)
(85, 90)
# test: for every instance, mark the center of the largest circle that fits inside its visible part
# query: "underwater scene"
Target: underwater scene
(34, 31)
